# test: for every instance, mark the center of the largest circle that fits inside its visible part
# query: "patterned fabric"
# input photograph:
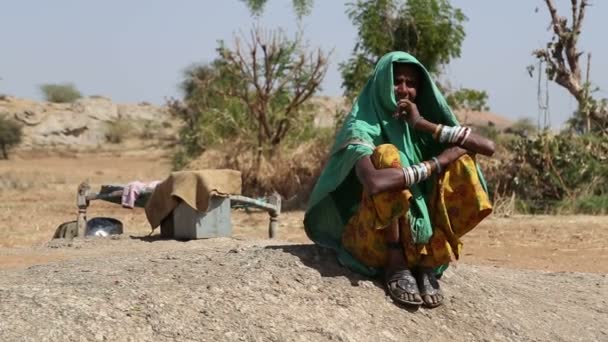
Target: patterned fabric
(337, 193)
(371, 121)
(458, 203)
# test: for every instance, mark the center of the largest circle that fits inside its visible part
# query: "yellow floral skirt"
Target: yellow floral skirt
(457, 204)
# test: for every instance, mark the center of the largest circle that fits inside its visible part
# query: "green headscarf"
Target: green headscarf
(337, 194)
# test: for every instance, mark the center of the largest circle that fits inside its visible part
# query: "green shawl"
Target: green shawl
(337, 193)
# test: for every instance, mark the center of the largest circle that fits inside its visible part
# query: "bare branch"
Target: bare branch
(580, 17)
(563, 61)
(555, 19)
(274, 68)
(574, 13)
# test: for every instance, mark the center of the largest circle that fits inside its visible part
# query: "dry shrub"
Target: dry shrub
(549, 174)
(498, 171)
(292, 174)
(17, 181)
(11, 134)
(117, 131)
(60, 93)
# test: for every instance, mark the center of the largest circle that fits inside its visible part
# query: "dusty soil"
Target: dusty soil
(521, 278)
(38, 192)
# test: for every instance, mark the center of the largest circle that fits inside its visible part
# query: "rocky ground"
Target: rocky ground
(259, 290)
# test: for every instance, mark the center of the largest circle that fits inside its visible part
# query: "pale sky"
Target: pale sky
(136, 50)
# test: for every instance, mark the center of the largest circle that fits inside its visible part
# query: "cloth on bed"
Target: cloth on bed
(132, 191)
(193, 187)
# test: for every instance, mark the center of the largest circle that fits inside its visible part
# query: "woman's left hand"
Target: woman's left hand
(407, 110)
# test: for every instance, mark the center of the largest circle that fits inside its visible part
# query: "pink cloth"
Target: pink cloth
(131, 192)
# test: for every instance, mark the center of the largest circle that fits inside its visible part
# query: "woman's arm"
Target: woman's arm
(474, 142)
(392, 179)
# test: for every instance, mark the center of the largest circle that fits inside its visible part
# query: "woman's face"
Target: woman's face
(406, 80)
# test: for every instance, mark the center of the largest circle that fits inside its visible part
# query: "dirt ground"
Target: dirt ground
(523, 278)
(38, 192)
(259, 290)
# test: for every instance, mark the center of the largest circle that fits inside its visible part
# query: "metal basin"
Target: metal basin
(103, 226)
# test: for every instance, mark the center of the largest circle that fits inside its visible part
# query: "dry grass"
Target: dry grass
(292, 174)
(42, 192)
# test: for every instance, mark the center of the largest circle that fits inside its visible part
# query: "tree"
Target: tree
(257, 86)
(562, 59)
(10, 135)
(432, 30)
(468, 100)
(208, 113)
(301, 7)
(278, 76)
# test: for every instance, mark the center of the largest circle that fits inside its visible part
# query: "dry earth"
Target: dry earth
(522, 278)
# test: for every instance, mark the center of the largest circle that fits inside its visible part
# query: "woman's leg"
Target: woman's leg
(373, 234)
(459, 203)
(400, 280)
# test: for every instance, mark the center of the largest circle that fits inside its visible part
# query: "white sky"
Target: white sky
(136, 50)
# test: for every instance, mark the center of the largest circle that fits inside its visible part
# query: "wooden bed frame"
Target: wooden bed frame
(113, 193)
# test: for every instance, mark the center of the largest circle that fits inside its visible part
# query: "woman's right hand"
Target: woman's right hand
(407, 110)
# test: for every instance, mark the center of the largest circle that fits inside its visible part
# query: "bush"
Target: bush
(11, 134)
(292, 174)
(150, 130)
(551, 173)
(117, 131)
(590, 205)
(60, 93)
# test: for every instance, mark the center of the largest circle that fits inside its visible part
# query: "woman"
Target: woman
(401, 186)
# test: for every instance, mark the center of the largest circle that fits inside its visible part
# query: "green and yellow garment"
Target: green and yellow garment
(337, 196)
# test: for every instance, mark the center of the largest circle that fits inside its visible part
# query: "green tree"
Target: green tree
(468, 99)
(209, 115)
(432, 30)
(256, 91)
(60, 93)
(10, 135)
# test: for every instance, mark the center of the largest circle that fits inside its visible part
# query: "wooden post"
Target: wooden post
(273, 226)
(82, 203)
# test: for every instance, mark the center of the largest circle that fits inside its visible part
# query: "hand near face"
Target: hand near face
(407, 110)
(406, 81)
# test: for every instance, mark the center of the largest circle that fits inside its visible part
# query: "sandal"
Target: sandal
(401, 283)
(429, 287)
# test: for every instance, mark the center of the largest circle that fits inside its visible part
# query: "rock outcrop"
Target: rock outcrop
(83, 123)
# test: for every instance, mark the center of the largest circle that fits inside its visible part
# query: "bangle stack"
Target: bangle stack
(416, 173)
(451, 135)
